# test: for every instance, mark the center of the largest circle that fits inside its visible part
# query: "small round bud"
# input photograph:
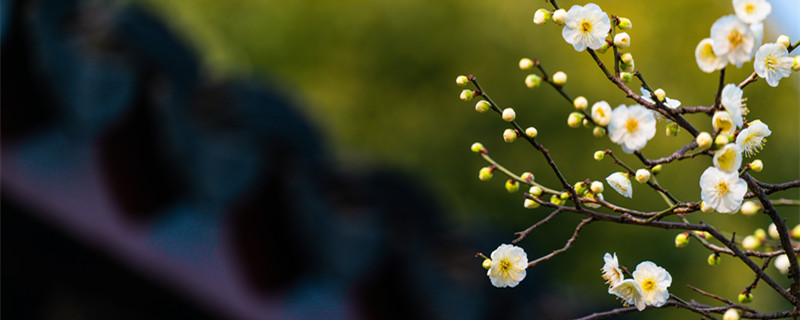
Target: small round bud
(555, 200)
(509, 115)
(580, 187)
(673, 129)
(560, 78)
(773, 231)
(702, 234)
(713, 259)
(626, 58)
(599, 132)
(467, 95)
(530, 204)
(532, 81)
(626, 76)
(622, 40)
(541, 16)
(682, 240)
(796, 64)
(795, 233)
(749, 208)
(750, 242)
(660, 94)
(624, 23)
(485, 174)
(757, 165)
(596, 187)
(564, 196)
(525, 64)
(527, 176)
(706, 208)
(560, 16)
(580, 103)
(477, 147)
(531, 132)
(512, 185)
(483, 106)
(760, 235)
(642, 175)
(509, 135)
(703, 140)
(731, 314)
(784, 40)
(745, 297)
(599, 154)
(535, 191)
(721, 140)
(487, 264)
(656, 169)
(574, 119)
(462, 80)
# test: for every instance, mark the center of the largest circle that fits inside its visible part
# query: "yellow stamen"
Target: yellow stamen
(722, 188)
(750, 8)
(586, 26)
(648, 285)
(735, 38)
(631, 125)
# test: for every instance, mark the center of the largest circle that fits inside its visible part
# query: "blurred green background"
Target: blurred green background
(378, 78)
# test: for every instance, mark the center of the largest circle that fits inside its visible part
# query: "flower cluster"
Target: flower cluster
(647, 288)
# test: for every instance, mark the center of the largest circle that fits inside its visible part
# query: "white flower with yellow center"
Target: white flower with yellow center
(654, 281)
(631, 127)
(611, 271)
(773, 63)
(706, 59)
(751, 140)
(732, 101)
(728, 158)
(722, 122)
(721, 190)
(620, 183)
(601, 113)
(508, 266)
(586, 26)
(752, 11)
(631, 293)
(732, 40)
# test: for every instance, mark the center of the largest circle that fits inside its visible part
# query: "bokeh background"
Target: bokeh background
(327, 140)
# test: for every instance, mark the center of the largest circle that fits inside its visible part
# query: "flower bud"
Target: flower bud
(622, 40)
(541, 16)
(596, 187)
(795, 233)
(485, 174)
(599, 154)
(705, 207)
(745, 297)
(477, 147)
(757, 165)
(760, 235)
(564, 196)
(574, 119)
(704, 140)
(509, 115)
(784, 40)
(525, 63)
(656, 169)
(482, 106)
(556, 200)
(731, 314)
(527, 176)
(660, 94)
(467, 95)
(773, 231)
(580, 103)
(599, 132)
(535, 191)
(796, 64)
(628, 67)
(682, 240)
(509, 135)
(624, 23)
(749, 208)
(721, 140)
(512, 185)
(487, 264)
(750, 242)
(782, 263)
(530, 204)
(531, 132)
(713, 259)
(626, 57)
(642, 175)
(702, 234)
(560, 78)
(462, 80)
(560, 16)
(580, 187)
(626, 76)
(604, 48)
(532, 81)
(673, 129)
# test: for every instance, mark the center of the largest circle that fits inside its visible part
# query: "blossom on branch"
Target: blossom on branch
(630, 291)
(631, 127)
(752, 11)
(732, 101)
(586, 26)
(732, 40)
(728, 158)
(654, 281)
(707, 60)
(751, 139)
(773, 63)
(611, 272)
(508, 266)
(721, 190)
(620, 183)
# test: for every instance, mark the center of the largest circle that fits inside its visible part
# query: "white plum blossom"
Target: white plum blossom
(782, 263)
(611, 271)
(601, 113)
(508, 266)
(630, 291)
(586, 26)
(732, 101)
(620, 183)
(751, 139)
(773, 63)
(732, 40)
(706, 59)
(722, 122)
(654, 281)
(721, 190)
(752, 11)
(728, 158)
(631, 127)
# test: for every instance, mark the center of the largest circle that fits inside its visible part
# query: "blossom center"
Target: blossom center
(735, 38)
(708, 52)
(750, 8)
(726, 159)
(648, 285)
(722, 188)
(770, 62)
(586, 26)
(505, 265)
(631, 125)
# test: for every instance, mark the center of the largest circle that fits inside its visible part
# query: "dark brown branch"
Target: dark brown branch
(522, 234)
(566, 246)
(677, 155)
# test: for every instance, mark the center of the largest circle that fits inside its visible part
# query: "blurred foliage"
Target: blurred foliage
(378, 77)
